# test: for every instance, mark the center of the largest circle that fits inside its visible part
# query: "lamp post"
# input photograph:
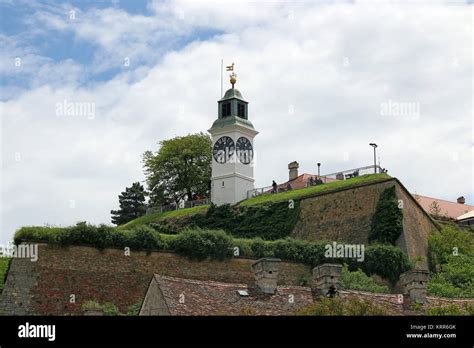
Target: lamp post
(319, 166)
(374, 145)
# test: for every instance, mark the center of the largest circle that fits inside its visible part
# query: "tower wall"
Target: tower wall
(232, 180)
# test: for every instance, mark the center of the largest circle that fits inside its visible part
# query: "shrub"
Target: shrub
(387, 261)
(456, 278)
(338, 306)
(311, 253)
(39, 234)
(269, 221)
(261, 248)
(244, 247)
(163, 227)
(442, 245)
(387, 221)
(469, 308)
(134, 309)
(358, 280)
(451, 309)
(83, 233)
(201, 244)
(289, 249)
(107, 308)
(145, 238)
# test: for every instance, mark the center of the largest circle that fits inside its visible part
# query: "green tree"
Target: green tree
(435, 210)
(132, 204)
(181, 169)
(387, 221)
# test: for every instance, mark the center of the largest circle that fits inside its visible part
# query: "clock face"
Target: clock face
(223, 150)
(244, 150)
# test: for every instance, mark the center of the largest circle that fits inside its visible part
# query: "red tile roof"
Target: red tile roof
(449, 209)
(216, 298)
(203, 298)
(302, 181)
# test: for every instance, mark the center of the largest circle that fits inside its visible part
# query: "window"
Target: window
(225, 109)
(241, 110)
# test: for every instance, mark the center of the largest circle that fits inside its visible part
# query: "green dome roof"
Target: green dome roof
(232, 93)
(230, 121)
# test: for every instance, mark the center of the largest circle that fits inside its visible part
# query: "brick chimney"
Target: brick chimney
(266, 274)
(461, 200)
(414, 284)
(293, 167)
(325, 276)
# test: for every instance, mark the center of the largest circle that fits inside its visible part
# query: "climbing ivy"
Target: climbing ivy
(387, 221)
(267, 221)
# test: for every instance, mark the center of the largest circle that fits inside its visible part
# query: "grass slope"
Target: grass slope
(146, 219)
(269, 198)
(317, 190)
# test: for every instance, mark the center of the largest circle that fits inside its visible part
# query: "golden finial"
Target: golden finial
(233, 76)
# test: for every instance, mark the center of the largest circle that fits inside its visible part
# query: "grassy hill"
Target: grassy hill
(313, 191)
(157, 217)
(268, 200)
(259, 227)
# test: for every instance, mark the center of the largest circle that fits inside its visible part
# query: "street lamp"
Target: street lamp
(374, 145)
(319, 165)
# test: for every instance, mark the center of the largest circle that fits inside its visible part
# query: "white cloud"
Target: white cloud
(333, 65)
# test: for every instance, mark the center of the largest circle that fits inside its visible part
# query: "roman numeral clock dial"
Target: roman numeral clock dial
(223, 150)
(244, 150)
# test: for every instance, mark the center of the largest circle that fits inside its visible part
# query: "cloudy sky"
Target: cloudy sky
(323, 80)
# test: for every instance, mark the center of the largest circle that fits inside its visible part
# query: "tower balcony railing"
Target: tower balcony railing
(313, 180)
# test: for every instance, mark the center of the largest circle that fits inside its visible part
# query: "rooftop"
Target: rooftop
(216, 298)
(449, 209)
(232, 93)
(187, 297)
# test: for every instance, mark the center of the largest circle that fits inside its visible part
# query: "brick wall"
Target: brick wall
(45, 286)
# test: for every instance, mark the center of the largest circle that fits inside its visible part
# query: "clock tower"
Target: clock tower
(232, 148)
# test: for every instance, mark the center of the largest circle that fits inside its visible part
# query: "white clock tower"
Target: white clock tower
(232, 148)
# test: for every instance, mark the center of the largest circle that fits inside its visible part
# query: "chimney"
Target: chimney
(293, 167)
(414, 284)
(266, 274)
(325, 276)
(461, 200)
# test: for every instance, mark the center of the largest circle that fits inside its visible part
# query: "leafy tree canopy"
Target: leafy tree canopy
(180, 169)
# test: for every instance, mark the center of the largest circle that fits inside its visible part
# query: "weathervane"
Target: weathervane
(233, 76)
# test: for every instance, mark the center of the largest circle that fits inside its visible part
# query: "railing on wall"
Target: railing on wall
(352, 173)
(318, 180)
(174, 206)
